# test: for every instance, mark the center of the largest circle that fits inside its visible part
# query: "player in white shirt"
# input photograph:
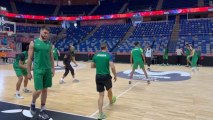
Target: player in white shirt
(148, 55)
(179, 53)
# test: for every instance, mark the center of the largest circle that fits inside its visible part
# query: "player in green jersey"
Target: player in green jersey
(20, 68)
(56, 54)
(194, 57)
(199, 63)
(40, 51)
(102, 61)
(165, 56)
(188, 52)
(138, 60)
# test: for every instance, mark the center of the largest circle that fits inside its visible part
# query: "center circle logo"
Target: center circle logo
(59, 68)
(156, 75)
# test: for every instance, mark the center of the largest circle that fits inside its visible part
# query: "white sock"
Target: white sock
(193, 68)
(62, 79)
(42, 107)
(17, 92)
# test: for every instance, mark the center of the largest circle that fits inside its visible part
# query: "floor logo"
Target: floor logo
(61, 67)
(26, 113)
(157, 75)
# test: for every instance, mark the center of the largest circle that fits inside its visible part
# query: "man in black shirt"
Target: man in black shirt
(68, 57)
(72, 51)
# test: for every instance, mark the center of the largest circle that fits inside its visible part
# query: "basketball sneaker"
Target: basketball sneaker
(147, 80)
(32, 110)
(44, 115)
(18, 96)
(25, 90)
(75, 66)
(148, 69)
(61, 82)
(75, 81)
(113, 100)
(101, 116)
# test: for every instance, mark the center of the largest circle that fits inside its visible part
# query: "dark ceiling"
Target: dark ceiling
(63, 2)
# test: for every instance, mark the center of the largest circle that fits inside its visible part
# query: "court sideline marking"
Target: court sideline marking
(121, 94)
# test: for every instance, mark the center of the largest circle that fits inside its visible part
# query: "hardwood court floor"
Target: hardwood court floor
(178, 100)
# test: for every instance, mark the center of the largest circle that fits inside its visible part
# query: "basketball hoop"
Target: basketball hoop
(9, 33)
(8, 27)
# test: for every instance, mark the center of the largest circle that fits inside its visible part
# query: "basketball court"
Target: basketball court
(175, 93)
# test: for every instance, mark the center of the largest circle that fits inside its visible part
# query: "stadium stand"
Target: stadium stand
(198, 33)
(34, 9)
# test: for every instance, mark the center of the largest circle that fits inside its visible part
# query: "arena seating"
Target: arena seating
(35, 9)
(196, 27)
(111, 34)
(35, 29)
(156, 34)
(204, 42)
(198, 33)
(206, 2)
(75, 10)
(142, 5)
(6, 3)
(154, 28)
(172, 4)
(108, 8)
(112, 30)
(74, 35)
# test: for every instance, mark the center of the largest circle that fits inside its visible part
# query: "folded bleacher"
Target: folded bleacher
(35, 9)
(111, 34)
(198, 33)
(174, 4)
(155, 34)
(6, 3)
(35, 29)
(73, 36)
(107, 8)
(142, 5)
(75, 10)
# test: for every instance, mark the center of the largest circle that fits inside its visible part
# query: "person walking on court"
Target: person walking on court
(72, 52)
(179, 53)
(40, 51)
(56, 54)
(68, 57)
(165, 56)
(198, 50)
(102, 61)
(20, 68)
(148, 54)
(138, 60)
(194, 59)
(187, 54)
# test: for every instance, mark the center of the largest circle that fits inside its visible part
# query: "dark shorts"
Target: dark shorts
(103, 81)
(72, 54)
